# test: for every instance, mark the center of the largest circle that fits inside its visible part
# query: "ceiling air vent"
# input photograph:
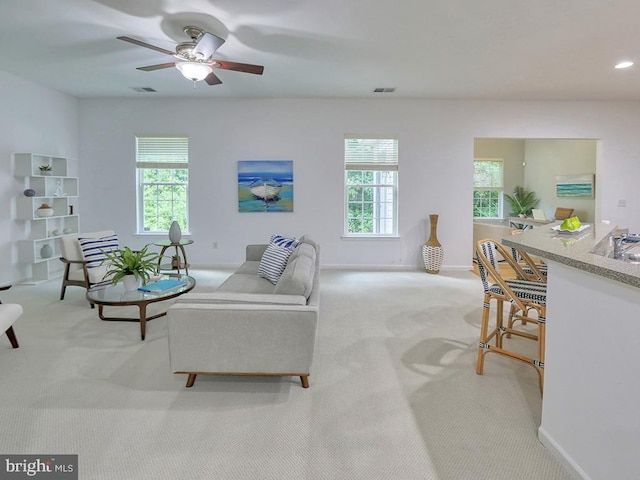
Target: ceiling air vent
(384, 90)
(143, 89)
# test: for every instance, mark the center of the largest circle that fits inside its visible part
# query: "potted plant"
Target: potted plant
(45, 169)
(522, 201)
(134, 267)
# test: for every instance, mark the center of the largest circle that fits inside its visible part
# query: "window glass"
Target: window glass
(371, 186)
(163, 183)
(488, 180)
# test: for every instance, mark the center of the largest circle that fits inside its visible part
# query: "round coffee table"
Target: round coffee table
(116, 296)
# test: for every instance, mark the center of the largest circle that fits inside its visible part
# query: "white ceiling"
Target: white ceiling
(453, 49)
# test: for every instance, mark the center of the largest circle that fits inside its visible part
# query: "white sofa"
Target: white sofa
(249, 326)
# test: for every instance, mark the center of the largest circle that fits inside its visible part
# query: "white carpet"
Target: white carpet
(394, 394)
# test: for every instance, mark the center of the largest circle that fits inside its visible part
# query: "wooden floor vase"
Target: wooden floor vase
(432, 251)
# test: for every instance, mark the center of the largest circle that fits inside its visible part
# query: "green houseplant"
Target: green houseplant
(140, 263)
(522, 201)
(45, 169)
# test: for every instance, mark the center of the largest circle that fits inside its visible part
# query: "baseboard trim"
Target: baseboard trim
(561, 455)
(336, 266)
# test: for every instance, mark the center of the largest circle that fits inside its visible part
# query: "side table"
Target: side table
(165, 244)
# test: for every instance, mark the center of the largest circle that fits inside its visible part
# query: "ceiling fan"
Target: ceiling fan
(194, 57)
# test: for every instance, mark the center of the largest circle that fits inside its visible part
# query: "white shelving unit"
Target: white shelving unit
(60, 192)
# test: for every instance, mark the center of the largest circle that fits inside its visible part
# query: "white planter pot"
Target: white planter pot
(130, 282)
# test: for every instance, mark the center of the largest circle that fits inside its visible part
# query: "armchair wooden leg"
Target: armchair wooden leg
(305, 381)
(12, 337)
(191, 379)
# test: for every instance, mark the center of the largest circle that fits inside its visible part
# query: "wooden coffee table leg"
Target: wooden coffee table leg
(143, 319)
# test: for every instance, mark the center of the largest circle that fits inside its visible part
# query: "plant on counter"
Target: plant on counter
(522, 201)
(120, 263)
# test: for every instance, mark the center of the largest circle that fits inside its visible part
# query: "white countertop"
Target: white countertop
(577, 250)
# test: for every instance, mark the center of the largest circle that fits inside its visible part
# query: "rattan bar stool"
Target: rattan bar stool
(527, 300)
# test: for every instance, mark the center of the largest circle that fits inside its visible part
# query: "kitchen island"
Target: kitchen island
(592, 390)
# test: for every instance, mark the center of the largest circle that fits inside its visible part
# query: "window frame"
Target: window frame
(177, 158)
(377, 164)
(490, 188)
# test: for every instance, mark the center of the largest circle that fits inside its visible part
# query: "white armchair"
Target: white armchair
(9, 313)
(80, 271)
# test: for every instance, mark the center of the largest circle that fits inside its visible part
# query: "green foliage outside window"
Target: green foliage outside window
(486, 203)
(368, 192)
(164, 198)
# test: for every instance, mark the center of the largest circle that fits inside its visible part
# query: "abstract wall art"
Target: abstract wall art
(265, 186)
(575, 185)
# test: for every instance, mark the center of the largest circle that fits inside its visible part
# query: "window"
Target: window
(162, 165)
(488, 180)
(371, 186)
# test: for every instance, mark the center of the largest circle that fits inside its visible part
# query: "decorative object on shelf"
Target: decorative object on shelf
(139, 264)
(46, 251)
(58, 192)
(175, 262)
(44, 210)
(432, 251)
(66, 230)
(70, 209)
(45, 169)
(175, 234)
(29, 192)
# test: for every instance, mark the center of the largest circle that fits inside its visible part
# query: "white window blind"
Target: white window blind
(487, 174)
(371, 153)
(162, 152)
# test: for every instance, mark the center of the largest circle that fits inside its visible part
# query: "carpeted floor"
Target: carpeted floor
(394, 394)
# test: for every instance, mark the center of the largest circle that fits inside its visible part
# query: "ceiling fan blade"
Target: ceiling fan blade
(147, 45)
(239, 67)
(151, 68)
(212, 79)
(207, 45)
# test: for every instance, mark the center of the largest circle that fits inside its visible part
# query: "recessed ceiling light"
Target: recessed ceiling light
(625, 64)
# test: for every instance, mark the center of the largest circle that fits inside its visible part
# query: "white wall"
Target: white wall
(436, 151)
(546, 159)
(32, 119)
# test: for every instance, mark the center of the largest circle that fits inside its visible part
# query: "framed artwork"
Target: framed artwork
(265, 186)
(575, 185)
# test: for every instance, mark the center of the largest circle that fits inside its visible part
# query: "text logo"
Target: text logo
(50, 467)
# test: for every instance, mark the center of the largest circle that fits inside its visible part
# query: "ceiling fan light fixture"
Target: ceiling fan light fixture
(195, 71)
(624, 64)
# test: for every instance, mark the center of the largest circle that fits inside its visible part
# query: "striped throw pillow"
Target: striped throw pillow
(93, 249)
(273, 262)
(284, 241)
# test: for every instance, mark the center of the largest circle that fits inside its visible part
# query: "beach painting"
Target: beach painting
(265, 186)
(575, 185)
